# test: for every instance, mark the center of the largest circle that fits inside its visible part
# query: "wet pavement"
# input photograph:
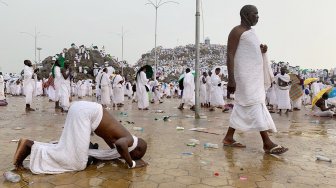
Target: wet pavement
(171, 162)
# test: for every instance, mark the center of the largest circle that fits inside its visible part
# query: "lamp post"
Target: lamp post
(35, 36)
(157, 5)
(197, 72)
(39, 54)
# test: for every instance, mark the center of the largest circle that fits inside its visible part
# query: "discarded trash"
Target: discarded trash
(18, 128)
(15, 140)
(210, 145)
(315, 121)
(194, 141)
(189, 116)
(156, 119)
(123, 113)
(179, 128)
(203, 117)
(216, 174)
(196, 129)
(101, 165)
(166, 118)
(12, 177)
(138, 128)
(159, 111)
(187, 153)
(322, 158)
(191, 144)
(243, 178)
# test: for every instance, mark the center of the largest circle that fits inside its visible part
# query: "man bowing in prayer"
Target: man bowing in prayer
(245, 68)
(72, 151)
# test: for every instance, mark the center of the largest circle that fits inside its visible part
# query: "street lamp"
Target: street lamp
(157, 5)
(39, 57)
(35, 36)
(197, 72)
(122, 34)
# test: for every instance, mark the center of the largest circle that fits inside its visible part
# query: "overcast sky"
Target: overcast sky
(299, 32)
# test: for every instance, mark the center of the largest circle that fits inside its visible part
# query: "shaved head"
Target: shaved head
(245, 15)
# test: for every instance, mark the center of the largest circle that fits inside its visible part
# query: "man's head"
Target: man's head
(205, 74)
(105, 70)
(217, 71)
(210, 73)
(66, 64)
(283, 70)
(325, 96)
(249, 15)
(140, 150)
(28, 63)
(187, 70)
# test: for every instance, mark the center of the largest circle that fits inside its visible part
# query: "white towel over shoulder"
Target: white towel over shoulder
(71, 152)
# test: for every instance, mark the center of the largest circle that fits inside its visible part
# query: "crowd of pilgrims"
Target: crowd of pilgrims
(111, 89)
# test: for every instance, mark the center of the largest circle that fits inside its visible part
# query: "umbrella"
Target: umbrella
(294, 79)
(310, 80)
(319, 95)
(149, 71)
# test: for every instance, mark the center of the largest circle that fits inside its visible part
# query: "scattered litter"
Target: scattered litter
(101, 165)
(15, 140)
(194, 141)
(216, 174)
(123, 114)
(191, 144)
(315, 121)
(166, 118)
(159, 111)
(138, 128)
(12, 177)
(189, 116)
(187, 153)
(18, 128)
(241, 169)
(195, 129)
(203, 117)
(156, 119)
(204, 162)
(322, 158)
(130, 122)
(210, 145)
(243, 178)
(179, 128)
(115, 165)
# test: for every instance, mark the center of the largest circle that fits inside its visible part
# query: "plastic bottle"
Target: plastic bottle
(194, 141)
(12, 177)
(210, 145)
(322, 158)
(179, 128)
(138, 128)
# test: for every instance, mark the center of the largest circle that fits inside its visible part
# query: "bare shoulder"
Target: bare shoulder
(237, 31)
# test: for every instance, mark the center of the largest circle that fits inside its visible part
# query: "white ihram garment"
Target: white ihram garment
(143, 100)
(71, 152)
(208, 88)
(282, 93)
(118, 90)
(250, 112)
(188, 96)
(217, 92)
(57, 82)
(64, 92)
(105, 89)
(2, 88)
(203, 91)
(29, 84)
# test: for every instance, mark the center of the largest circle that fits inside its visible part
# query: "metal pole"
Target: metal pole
(35, 44)
(122, 51)
(197, 76)
(155, 71)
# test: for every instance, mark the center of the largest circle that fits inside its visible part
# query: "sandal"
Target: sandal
(276, 150)
(235, 144)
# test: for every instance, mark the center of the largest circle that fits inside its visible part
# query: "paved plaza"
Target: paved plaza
(173, 164)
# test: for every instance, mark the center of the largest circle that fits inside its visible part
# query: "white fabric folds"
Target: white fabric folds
(110, 154)
(71, 152)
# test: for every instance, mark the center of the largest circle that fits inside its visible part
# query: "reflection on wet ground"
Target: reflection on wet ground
(171, 162)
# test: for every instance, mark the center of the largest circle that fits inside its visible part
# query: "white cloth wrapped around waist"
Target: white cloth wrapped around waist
(110, 154)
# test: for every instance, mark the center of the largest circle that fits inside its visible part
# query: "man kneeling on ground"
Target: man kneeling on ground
(72, 151)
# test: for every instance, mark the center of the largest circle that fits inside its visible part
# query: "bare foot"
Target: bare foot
(22, 151)
(233, 143)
